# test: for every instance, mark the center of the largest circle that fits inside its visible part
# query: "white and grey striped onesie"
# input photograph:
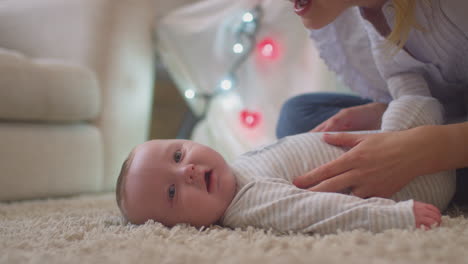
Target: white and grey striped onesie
(266, 197)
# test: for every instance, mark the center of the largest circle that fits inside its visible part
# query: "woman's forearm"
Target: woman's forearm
(445, 146)
(456, 149)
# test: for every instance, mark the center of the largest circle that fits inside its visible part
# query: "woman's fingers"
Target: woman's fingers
(344, 139)
(342, 184)
(381, 164)
(333, 168)
(316, 176)
(322, 173)
(363, 192)
(319, 127)
(331, 124)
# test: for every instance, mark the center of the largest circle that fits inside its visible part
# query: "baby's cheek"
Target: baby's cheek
(196, 200)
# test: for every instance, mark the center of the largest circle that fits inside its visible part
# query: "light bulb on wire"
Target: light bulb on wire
(226, 84)
(189, 94)
(247, 17)
(238, 48)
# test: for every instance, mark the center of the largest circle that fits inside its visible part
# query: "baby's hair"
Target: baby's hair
(120, 187)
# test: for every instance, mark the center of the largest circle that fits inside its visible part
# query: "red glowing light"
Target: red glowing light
(250, 119)
(268, 48)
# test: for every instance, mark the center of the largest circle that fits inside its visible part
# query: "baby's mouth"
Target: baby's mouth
(208, 180)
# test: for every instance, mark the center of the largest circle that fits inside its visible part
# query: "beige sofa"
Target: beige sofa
(76, 84)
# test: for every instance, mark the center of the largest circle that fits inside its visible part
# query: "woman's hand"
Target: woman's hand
(362, 117)
(377, 164)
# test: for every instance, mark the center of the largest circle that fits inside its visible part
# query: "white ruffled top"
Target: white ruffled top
(434, 63)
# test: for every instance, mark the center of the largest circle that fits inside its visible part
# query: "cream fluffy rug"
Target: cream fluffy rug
(87, 229)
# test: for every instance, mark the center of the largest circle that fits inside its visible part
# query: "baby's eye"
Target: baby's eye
(177, 156)
(171, 191)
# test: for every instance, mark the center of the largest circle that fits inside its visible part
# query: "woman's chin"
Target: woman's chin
(313, 24)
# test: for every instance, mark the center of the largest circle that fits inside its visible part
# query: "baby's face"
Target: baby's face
(177, 181)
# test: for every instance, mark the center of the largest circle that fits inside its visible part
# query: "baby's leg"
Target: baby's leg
(437, 189)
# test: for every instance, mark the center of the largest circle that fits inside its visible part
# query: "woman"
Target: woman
(402, 52)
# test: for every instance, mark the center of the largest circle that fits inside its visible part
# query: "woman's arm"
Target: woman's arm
(382, 164)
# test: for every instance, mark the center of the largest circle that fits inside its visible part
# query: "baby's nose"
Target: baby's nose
(189, 173)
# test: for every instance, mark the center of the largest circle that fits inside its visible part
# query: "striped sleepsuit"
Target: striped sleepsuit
(266, 197)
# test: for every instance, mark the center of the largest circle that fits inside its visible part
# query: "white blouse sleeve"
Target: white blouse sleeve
(345, 48)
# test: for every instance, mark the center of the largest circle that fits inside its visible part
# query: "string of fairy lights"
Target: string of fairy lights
(243, 46)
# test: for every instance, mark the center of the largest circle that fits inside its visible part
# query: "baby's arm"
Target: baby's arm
(413, 104)
(278, 205)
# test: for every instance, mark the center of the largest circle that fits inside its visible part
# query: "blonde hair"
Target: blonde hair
(120, 187)
(405, 21)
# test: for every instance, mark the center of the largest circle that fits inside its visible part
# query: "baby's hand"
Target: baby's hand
(426, 215)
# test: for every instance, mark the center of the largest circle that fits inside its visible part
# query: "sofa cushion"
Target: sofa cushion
(46, 90)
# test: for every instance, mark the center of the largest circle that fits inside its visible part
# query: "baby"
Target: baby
(180, 181)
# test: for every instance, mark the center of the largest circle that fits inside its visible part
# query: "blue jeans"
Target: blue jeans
(302, 113)
(461, 194)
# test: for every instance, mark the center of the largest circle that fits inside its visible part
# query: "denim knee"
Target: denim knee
(304, 112)
(289, 118)
(301, 114)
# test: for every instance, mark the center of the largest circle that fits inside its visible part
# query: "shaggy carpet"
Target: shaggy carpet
(88, 229)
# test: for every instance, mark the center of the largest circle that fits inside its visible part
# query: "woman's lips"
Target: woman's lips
(301, 6)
